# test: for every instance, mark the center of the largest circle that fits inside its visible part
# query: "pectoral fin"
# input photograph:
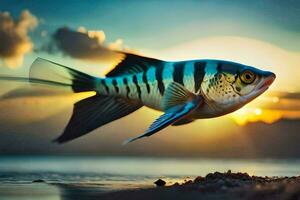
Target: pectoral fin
(179, 103)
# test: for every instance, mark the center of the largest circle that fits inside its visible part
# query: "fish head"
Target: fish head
(232, 85)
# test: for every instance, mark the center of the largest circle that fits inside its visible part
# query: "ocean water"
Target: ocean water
(65, 175)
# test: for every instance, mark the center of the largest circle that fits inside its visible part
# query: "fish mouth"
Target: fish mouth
(260, 88)
(266, 82)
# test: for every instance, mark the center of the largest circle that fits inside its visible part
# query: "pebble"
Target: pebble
(38, 181)
(160, 183)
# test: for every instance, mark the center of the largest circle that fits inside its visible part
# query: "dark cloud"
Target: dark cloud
(292, 96)
(14, 39)
(83, 44)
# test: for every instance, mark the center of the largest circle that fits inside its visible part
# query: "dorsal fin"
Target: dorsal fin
(133, 64)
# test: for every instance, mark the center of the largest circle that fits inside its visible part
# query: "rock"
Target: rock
(241, 186)
(160, 183)
(220, 183)
(199, 179)
(38, 181)
(187, 182)
(176, 184)
(216, 175)
(224, 187)
(209, 176)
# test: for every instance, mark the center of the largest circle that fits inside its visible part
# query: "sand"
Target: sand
(211, 187)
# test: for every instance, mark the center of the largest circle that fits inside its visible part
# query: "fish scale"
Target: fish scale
(158, 80)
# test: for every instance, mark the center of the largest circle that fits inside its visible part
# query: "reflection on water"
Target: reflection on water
(78, 192)
(34, 191)
(73, 177)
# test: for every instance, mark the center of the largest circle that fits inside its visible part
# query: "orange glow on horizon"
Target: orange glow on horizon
(268, 109)
(43, 106)
(247, 115)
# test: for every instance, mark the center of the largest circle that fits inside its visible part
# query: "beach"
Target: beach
(216, 185)
(228, 185)
(113, 178)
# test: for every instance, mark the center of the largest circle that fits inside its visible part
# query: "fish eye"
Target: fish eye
(247, 77)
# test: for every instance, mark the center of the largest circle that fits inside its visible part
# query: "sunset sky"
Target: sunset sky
(265, 34)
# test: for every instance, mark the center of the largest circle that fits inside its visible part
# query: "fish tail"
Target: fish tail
(45, 72)
(90, 113)
(51, 73)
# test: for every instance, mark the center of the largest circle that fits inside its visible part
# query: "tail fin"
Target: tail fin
(48, 72)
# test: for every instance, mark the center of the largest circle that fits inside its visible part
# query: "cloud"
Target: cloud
(84, 44)
(14, 39)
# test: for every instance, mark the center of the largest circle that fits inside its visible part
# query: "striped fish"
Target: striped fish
(184, 91)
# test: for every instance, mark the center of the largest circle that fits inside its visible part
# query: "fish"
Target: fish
(184, 91)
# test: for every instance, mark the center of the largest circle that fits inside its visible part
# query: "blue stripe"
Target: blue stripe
(168, 72)
(151, 75)
(189, 75)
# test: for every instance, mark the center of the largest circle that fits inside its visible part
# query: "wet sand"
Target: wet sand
(213, 186)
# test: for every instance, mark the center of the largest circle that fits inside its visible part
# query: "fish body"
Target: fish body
(184, 91)
(201, 77)
(149, 86)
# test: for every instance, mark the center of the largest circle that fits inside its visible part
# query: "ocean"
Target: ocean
(62, 173)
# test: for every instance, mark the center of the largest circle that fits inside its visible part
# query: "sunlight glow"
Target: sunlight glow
(43, 106)
(246, 115)
(258, 111)
(245, 50)
(268, 109)
(275, 99)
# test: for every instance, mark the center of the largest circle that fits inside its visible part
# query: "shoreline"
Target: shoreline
(213, 186)
(228, 185)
